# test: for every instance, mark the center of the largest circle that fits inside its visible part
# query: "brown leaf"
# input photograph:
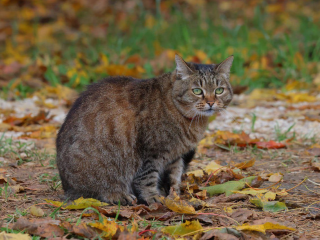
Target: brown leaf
(128, 236)
(314, 152)
(257, 182)
(231, 198)
(112, 212)
(246, 164)
(28, 120)
(41, 227)
(84, 230)
(217, 234)
(241, 215)
(316, 165)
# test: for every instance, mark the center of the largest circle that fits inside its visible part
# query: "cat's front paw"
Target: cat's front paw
(176, 189)
(153, 199)
(124, 199)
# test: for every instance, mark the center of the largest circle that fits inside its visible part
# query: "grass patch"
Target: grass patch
(77, 46)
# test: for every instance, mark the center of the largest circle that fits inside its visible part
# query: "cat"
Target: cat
(128, 140)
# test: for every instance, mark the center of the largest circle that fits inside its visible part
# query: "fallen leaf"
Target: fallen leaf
(315, 150)
(182, 229)
(229, 187)
(276, 177)
(108, 227)
(177, 205)
(316, 165)
(84, 230)
(241, 215)
(246, 164)
(272, 206)
(263, 227)
(14, 236)
(41, 227)
(16, 189)
(80, 203)
(196, 173)
(214, 167)
(270, 145)
(40, 118)
(219, 234)
(36, 211)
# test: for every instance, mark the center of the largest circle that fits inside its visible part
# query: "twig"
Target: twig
(311, 190)
(297, 185)
(148, 230)
(313, 182)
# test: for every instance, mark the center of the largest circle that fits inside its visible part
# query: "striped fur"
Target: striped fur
(127, 138)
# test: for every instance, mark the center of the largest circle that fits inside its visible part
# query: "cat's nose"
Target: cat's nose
(210, 103)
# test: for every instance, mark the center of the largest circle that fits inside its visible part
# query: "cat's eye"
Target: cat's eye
(197, 91)
(219, 90)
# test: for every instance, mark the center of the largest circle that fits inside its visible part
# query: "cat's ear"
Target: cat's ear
(182, 68)
(225, 66)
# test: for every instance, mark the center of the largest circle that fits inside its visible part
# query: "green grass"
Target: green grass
(24, 152)
(180, 27)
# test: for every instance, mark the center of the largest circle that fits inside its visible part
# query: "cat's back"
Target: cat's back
(113, 101)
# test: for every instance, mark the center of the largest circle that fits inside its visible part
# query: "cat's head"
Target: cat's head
(201, 89)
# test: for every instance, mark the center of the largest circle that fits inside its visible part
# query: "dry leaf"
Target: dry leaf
(14, 236)
(182, 229)
(178, 205)
(246, 164)
(276, 177)
(36, 211)
(108, 227)
(263, 227)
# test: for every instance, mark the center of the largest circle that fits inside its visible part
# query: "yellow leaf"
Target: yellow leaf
(270, 196)
(14, 236)
(196, 173)
(36, 211)
(263, 94)
(182, 229)
(178, 205)
(80, 203)
(228, 210)
(198, 202)
(283, 192)
(108, 227)
(300, 97)
(263, 227)
(207, 142)
(253, 192)
(214, 167)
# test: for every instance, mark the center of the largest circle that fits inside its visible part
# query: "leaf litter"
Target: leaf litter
(231, 189)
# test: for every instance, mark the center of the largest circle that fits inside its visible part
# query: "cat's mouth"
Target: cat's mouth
(208, 112)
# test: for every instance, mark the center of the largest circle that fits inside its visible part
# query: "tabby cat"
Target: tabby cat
(126, 138)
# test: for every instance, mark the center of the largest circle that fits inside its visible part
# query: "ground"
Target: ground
(28, 175)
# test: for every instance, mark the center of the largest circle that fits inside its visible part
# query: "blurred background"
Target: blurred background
(45, 44)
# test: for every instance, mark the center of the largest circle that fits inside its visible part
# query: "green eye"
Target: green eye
(219, 90)
(197, 91)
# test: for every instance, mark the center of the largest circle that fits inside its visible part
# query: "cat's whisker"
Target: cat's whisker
(192, 120)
